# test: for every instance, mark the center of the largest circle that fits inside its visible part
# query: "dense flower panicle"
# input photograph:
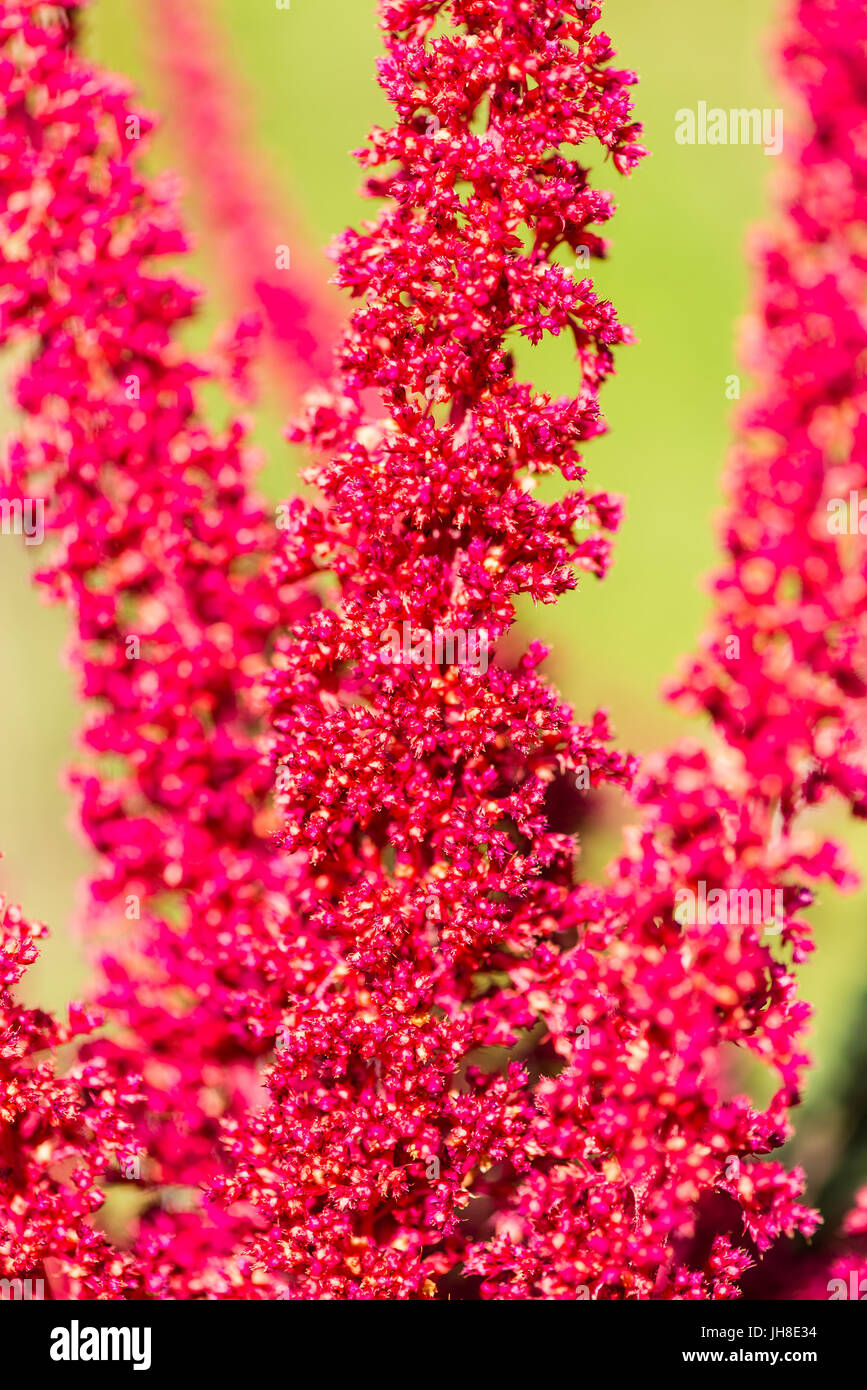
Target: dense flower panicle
(262, 255)
(441, 896)
(416, 793)
(161, 552)
(402, 1053)
(163, 566)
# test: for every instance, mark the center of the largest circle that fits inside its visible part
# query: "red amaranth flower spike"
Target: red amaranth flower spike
(413, 770)
(161, 550)
(488, 1079)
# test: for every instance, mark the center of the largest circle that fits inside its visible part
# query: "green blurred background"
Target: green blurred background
(678, 274)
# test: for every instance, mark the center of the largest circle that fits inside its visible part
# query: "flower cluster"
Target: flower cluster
(372, 1035)
(161, 552)
(417, 795)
